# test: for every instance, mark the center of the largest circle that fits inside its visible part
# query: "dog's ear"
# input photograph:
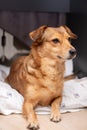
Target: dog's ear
(36, 35)
(72, 35)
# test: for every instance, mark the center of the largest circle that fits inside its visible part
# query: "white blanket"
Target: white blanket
(74, 96)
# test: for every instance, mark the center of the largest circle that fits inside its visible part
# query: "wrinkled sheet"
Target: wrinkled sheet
(74, 96)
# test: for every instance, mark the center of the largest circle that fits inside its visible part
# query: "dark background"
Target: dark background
(78, 23)
(36, 5)
(76, 19)
(45, 5)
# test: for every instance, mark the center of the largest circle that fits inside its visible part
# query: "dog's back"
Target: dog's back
(15, 77)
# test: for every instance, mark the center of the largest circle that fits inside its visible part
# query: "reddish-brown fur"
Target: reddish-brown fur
(39, 76)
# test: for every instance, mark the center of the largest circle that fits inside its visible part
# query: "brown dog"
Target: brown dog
(39, 76)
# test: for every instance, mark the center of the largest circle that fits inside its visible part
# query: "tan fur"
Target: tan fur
(39, 76)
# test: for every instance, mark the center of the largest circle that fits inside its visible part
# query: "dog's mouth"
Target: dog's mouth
(70, 55)
(60, 57)
(68, 58)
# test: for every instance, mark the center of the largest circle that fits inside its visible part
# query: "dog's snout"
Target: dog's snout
(72, 52)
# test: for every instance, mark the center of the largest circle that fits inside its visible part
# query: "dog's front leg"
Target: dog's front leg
(55, 110)
(29, 114)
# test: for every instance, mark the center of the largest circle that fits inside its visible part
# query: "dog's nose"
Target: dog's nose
(72, 52)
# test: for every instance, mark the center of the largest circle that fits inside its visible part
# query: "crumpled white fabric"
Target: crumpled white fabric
(74, 97)
(10, 100)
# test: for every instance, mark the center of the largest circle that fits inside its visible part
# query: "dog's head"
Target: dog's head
(55, 42)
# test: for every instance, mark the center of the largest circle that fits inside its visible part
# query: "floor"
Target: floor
(70, 121)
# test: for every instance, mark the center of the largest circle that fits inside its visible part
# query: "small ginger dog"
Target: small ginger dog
(39, 76)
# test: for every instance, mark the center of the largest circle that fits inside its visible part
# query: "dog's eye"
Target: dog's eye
(55, 40)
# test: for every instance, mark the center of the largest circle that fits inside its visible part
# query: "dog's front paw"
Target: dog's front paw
(55, 117)
(33, 126)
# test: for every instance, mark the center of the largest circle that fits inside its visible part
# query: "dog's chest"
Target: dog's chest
(47, 95)
(51, 82)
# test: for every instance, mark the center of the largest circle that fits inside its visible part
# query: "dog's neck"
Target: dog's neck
(43, 61)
